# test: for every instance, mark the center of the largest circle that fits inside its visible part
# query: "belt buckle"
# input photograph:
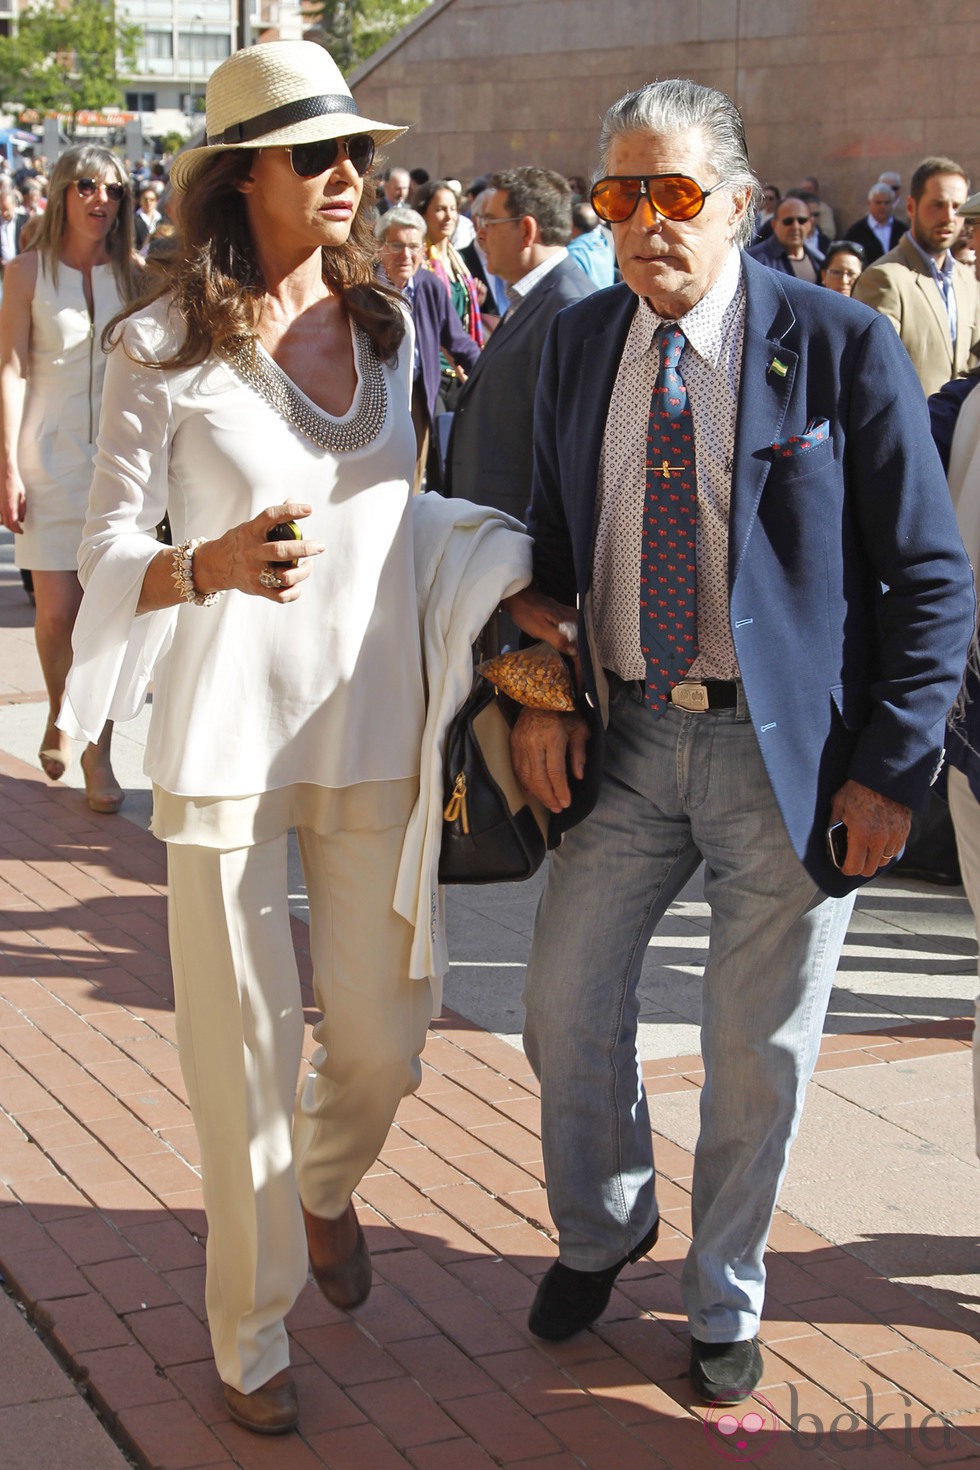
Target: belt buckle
(690, 696)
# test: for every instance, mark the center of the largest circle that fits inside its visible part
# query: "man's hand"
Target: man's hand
(544, 748)
(540, 616)
(877, 828)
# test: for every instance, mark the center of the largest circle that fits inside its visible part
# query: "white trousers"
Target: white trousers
(240, 1023)
(965, 811)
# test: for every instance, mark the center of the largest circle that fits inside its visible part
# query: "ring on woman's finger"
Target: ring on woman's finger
(272, 580)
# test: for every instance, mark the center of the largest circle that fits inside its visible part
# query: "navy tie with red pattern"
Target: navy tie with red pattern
(668, 569)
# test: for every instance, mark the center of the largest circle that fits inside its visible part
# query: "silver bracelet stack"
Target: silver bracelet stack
(183, 574)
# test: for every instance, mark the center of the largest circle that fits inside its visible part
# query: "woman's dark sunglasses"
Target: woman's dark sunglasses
(675, 196)
(309, 160)
(87, 187)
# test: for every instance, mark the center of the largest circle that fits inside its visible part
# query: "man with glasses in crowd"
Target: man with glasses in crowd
(735, 484)
(525, 221)
(788, 248)
(401, 233)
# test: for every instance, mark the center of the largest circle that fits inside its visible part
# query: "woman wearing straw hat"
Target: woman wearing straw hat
(262, 385)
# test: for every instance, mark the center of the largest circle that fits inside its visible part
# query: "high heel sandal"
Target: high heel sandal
(54, 759)
(54, 762)
(106, 800)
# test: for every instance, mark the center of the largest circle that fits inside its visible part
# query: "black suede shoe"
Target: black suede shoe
(725, 1372)
(568, 1301)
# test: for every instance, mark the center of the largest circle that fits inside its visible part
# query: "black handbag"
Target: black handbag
(492, 831)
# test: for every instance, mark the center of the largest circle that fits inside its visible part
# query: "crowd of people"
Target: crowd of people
(712, 488)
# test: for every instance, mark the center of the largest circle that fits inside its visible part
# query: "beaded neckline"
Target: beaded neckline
(342, 436)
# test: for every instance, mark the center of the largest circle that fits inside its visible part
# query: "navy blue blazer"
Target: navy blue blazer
(490, 449)
(851, 598)
(438, 325)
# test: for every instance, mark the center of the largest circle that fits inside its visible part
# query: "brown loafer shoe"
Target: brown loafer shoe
(271, 1409)
(339, 1258)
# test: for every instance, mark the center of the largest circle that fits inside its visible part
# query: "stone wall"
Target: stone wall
(835, 88)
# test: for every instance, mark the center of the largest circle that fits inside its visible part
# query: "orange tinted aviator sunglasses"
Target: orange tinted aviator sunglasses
(675, 196)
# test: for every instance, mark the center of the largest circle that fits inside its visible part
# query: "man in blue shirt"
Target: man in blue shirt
(590, 247)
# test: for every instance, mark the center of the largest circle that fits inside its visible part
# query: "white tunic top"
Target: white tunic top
(249, 696)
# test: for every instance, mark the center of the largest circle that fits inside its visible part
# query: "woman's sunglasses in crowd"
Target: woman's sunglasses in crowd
(309, 160)
(87, 187)
(675, 196)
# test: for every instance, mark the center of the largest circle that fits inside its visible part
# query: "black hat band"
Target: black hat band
(284, 117)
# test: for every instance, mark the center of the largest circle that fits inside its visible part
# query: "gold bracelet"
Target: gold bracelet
(183, 574)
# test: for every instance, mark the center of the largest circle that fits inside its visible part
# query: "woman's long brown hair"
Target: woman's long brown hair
(214, 276)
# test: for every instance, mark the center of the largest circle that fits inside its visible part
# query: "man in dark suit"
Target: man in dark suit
(736, 486)
(401, 233)
(789, 248)
(394, 191)
(879, 231)
(525, 222)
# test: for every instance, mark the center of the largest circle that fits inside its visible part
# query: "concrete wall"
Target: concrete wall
(836, 88)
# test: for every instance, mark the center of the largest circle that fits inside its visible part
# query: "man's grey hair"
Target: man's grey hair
(880, 190)
(401, 217)
(671, 107)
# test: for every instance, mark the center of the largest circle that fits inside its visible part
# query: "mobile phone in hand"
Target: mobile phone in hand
(837, 843)
(284, 531)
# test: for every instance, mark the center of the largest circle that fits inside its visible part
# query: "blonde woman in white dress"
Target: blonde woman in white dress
(57, 298)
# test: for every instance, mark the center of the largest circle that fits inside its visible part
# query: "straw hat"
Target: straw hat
(272, 95)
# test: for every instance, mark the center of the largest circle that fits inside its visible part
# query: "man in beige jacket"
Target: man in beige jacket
(932, 301)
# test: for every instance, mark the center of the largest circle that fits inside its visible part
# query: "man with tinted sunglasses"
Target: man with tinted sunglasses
(789, 248)
(735, 485)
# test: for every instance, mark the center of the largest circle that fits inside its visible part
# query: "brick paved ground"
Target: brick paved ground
(101, 1230)
(101, 1223)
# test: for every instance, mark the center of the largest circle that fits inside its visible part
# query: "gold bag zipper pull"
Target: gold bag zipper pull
(456, 805)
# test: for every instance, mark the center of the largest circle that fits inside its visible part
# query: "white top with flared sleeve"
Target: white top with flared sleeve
(250, 695)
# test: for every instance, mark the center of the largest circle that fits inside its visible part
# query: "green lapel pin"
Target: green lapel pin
(779, 368)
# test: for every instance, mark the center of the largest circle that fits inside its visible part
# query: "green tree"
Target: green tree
(352, 30)
(172, 142)
(66, 60)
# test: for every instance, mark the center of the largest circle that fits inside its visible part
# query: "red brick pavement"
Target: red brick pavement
(101, 1230)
